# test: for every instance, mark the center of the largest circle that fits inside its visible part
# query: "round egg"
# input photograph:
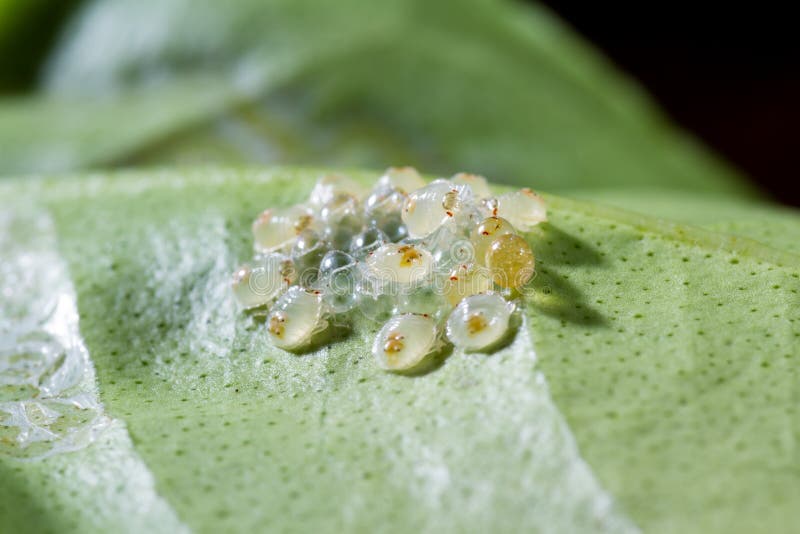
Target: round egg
(330, 185)
(510, 261)
(429, 207)
(524, 209)
(383, 210)
(400, 263)
(260, 285)
(275, 229)
(296, 317)
(366, 242)
(486, 232)
(477, 184)
(307, 252)
(479, 322)
(337, 279)
(404, 341)
(465, 280)
(404, 179)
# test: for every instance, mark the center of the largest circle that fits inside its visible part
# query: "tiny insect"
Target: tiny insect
(400, 263)
(477, 184)
(404, 179)
(479, 322)
(429, 207)
(486, 232)
(524, 209)
(404, 341)
(275, 229)
(296, 318)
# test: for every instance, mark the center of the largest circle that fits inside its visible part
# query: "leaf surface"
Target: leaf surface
(645, 345)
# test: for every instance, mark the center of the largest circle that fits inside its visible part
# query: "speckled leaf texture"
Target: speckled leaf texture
(652, 385)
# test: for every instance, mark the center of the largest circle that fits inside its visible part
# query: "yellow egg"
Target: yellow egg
(465, 280)
(510, 261)
(486, 232)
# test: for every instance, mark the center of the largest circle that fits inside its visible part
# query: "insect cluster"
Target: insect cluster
(435, 262)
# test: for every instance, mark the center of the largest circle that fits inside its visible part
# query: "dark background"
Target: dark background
(729, 74)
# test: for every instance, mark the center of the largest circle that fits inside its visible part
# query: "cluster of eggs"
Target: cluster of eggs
(436, 262)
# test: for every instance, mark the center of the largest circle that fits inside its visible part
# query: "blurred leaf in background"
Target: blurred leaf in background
(495, 87)
(28, 30)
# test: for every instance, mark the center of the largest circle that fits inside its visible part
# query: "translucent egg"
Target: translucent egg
(479, 322)
(329, 185)
(378, 308)
(447, 246)
(524, 209)
(308, 250)
(296, 318)
(466, 280)
(485, 233)
(340, 206)
(383, 210)
(429, 207)
(337, 279)
(367, 242)
(404, 179)
(404, 341)
(427, 300)
(477, 184)
(260, 285)
(400, 263)
(275, 229)
(339, 236)
(510, 261)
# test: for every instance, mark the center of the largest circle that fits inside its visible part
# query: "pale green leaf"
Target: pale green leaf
(655, 370)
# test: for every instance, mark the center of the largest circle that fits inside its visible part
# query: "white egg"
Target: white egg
(296, 317)
(479, 322)
(399, 263)
(429, 207)
(330, 185)
(275, 229)
(404, 179)
(404, 341)
(524, 209)
(260, 285)
(477, 184)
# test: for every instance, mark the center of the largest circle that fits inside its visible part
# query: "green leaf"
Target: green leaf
(645, 345)
(493, 87)
(768, 223)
